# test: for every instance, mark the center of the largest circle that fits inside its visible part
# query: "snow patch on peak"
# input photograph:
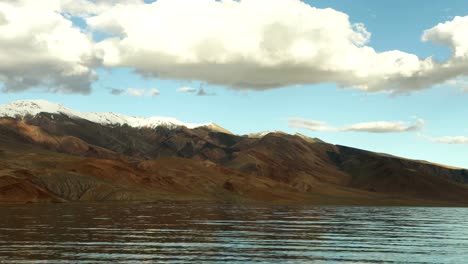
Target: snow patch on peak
(263, 133)
(33, 107)
(25, 108)
(309, 139)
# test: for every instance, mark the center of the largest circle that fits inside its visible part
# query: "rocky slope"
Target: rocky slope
(57, 157)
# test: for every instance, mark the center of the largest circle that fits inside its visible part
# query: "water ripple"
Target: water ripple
(213, 233)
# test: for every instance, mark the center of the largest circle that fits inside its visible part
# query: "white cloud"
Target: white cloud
(451, 140)
(186, 89)
(136, 92)
(3, 20)
(86, 8)
(40, 48)
(385, 127)
(225, 42)
(288, 43)
(369, 127)
(313, 125)
(452, 34)
(141, 92)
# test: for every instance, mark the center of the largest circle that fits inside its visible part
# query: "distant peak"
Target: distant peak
(35, 103)
(264, 133)
(217, 128)
(309, 139)
(23, 108)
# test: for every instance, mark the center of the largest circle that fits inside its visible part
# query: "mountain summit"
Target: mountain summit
(25, 108)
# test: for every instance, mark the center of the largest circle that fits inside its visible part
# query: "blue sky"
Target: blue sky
(394, 25)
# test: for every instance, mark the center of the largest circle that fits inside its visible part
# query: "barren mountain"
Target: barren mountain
(55, 154)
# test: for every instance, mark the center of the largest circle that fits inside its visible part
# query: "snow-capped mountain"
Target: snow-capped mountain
(263, 133)
(33, 107)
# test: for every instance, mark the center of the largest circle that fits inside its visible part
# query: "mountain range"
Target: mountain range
(50, 153)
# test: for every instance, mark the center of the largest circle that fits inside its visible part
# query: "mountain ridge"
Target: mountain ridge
(23, 108)
(54, 157)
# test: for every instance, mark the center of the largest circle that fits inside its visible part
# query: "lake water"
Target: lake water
(212, 233)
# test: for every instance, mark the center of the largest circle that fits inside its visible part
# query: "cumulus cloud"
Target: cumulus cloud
(39, 47)
(226, 42)
(450, 140)
(452, 34)
(289, 42)
(369, 127)
(86, 8)
(3, 20)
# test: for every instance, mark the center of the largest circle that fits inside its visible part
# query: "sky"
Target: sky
(385, 76)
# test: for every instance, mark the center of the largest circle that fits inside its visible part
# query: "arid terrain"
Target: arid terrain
(55, 158)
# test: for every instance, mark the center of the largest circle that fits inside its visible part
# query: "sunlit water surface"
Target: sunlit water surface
(212, 233)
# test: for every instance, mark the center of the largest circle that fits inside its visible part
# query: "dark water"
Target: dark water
(197, 233)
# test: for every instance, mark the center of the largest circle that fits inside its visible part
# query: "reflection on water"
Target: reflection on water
(203, 232)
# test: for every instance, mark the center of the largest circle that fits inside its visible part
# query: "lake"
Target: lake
(182, 232)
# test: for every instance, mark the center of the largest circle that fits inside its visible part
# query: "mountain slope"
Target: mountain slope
(58, 157)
